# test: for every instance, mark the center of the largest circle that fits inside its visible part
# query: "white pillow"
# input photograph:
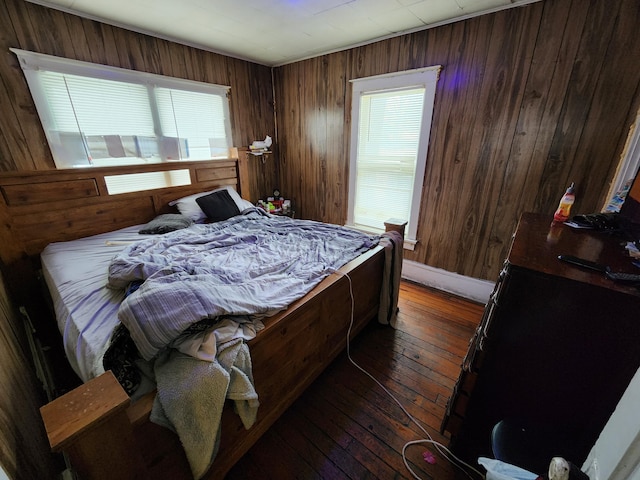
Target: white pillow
(188, 206)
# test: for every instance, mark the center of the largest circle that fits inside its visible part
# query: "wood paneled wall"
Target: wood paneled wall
(529, 100)
(24, 25)
(24, 448)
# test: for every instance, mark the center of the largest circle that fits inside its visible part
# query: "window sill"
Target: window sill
(410, 244)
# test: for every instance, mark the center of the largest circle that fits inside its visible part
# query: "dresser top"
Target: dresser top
(538, 243)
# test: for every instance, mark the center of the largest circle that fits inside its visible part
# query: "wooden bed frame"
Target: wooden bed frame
(103, 433)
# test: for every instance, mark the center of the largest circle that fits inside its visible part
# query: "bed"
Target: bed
(105, 433)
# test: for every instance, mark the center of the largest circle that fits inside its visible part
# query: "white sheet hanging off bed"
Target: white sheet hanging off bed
(86, 310)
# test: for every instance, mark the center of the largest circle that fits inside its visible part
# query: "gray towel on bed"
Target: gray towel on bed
(393, 253)
(191, 396)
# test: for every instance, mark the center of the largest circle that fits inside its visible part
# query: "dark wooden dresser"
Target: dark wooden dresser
(557, 345)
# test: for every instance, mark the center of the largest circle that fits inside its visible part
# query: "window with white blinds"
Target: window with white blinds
(391, 120)
(196, 117)
(95, 115)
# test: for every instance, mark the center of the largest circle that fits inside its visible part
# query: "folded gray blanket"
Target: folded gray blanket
(393, 253)
(191, 396)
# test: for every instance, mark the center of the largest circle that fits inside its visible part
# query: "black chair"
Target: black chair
(527, 446)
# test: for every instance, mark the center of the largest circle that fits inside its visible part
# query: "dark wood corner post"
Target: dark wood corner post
(395, 225)
(243, 177)
(91, 425)
(394, 272)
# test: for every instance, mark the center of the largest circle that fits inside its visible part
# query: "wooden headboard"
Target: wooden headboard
(40, 207)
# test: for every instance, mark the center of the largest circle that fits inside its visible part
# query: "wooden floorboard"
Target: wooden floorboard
(346, 427)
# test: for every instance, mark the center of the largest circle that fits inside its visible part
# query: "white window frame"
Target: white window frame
(31, 62)
(629, 163)
(423, 77)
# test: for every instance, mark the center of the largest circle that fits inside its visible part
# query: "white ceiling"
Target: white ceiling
(276, 32)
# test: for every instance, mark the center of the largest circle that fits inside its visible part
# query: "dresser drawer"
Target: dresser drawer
(472, 362)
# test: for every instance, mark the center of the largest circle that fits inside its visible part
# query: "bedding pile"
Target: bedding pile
(185, 302)
(228, 274)
(252, 264)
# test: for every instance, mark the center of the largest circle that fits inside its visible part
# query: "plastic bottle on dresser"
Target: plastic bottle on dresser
(566, 202)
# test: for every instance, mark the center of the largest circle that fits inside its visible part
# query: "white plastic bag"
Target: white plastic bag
(497, 470)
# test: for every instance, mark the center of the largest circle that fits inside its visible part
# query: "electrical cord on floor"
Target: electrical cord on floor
(444, 451)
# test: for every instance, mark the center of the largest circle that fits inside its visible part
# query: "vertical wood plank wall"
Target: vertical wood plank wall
(24, 450)
(529, 100)
(24, 25)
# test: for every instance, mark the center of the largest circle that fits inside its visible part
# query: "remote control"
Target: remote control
(581, 262)
(615, 276)
(624, 277)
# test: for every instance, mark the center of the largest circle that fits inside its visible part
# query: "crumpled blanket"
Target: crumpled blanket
(247, 265)
(250, 266)
(191, 396)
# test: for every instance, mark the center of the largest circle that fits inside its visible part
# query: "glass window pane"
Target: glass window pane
(388, 138)
(136, 182)
(105, 107)
(98, 115)
(391, 123)
(197, 119)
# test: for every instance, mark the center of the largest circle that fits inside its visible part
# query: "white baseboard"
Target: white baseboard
(467, 287)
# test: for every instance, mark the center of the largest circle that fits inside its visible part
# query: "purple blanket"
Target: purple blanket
(251, 264)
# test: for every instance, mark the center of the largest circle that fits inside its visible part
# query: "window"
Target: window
(391, 121)
(95, 115)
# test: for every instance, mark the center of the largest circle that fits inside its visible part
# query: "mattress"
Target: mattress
(86, 309)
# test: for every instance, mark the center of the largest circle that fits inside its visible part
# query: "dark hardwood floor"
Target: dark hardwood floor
(346, 427)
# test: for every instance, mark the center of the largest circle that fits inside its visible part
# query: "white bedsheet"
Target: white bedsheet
(87, 311)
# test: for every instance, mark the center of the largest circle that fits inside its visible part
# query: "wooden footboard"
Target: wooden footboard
(98, 429)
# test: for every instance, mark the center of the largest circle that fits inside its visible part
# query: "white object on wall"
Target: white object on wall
(262, 144)
(616, 453)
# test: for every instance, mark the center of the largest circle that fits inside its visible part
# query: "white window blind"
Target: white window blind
(391, 121)
(99, 115)
(196, 117)
(97, 107)
(389, 133)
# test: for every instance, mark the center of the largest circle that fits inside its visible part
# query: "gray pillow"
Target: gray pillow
(167, 222)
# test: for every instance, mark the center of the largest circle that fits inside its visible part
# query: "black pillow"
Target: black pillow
(218, 205)
(167, 222)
